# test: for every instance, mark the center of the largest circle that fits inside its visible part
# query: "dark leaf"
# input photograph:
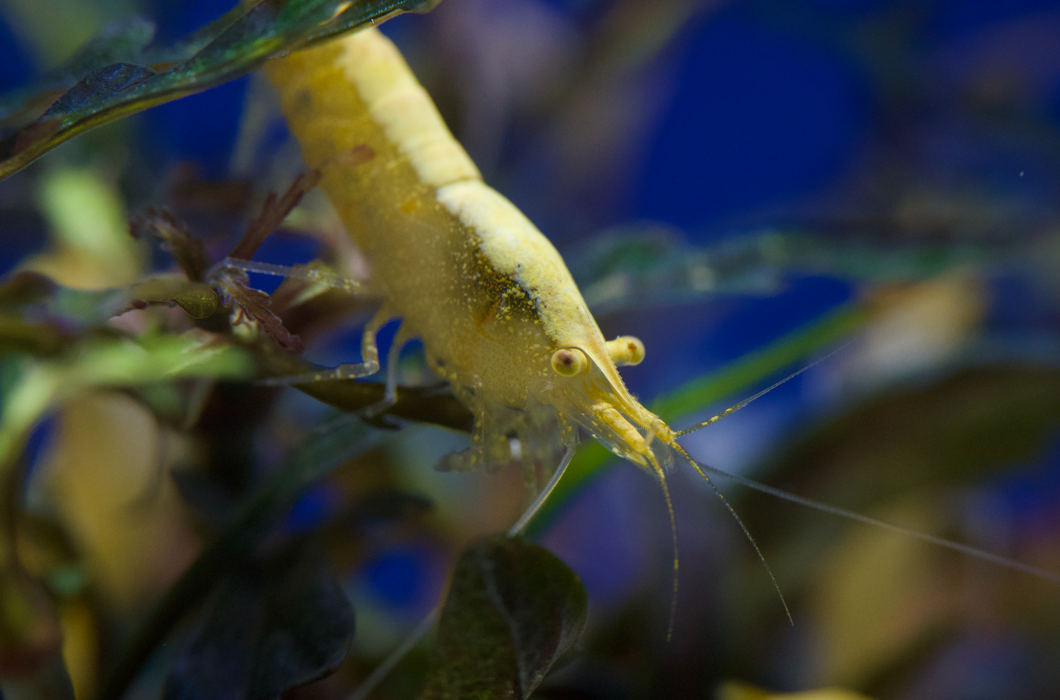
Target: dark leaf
(30, 636)
(94, 90)
(423, 405)
(40, 339)
(23, 288)
(121, 42)
(232, 46)
(975, 424)
(254, 304)
(652, 264)
(323, 452)
(209, 500)
(429, 404)
(187, 251)
(354, 16)
(513, 609)
(272, 215)
(198, 299)
(269, 627)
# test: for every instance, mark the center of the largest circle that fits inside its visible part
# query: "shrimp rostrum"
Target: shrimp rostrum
(497, 310)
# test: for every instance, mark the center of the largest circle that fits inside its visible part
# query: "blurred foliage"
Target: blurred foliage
(122, 72)
(742, 691)
(172, 529)
(513, 609)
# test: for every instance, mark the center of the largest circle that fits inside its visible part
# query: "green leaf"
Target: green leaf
(652, 264)
(269, 627)
(106, 362)
(973, 424)
(121, 42)
(62, 311)
(228, 48)
(41, 339)
(513, 609)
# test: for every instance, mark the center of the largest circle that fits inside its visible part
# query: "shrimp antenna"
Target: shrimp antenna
(737, 407)
(702, 471)
(858, 517)
(673, 535)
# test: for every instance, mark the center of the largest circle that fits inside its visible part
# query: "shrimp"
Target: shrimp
(492, 300)
(497, 310)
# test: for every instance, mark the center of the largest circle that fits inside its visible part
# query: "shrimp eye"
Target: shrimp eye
(569, 362)
(626, 350)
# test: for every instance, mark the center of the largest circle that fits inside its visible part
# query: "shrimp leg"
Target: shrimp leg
(402, 336)
(369, 346)
(346, 284)
(369, 355)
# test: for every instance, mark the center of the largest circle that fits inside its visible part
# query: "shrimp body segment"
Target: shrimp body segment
(498, 312)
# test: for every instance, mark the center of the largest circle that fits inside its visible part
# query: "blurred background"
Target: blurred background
(718, 175)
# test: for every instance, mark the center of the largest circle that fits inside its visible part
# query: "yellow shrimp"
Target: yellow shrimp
(497, 310)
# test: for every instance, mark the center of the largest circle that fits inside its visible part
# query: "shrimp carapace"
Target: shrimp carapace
(497, 310)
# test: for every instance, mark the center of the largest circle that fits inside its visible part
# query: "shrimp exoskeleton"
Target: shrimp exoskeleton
(498, 312)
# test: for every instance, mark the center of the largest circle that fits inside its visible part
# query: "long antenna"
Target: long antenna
(737, 407)
(858, 517)
(739, 521)
(673, 536)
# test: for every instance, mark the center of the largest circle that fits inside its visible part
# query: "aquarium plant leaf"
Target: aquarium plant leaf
(231, 47)
(174, 237)
(513, 609)
(121, 42)
(56, 313)
(41, 339)
(38, 388)
(30, 635)
(972, 424)
(273, 212)
(103, 362)
(734, 690)
(269, 626)
(651, 264)
(325, 450)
